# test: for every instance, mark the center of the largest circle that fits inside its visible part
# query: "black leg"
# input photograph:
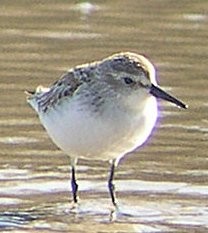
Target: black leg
(74, 185)
(111, 186)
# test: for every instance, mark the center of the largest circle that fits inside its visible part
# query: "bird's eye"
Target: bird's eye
(128, 80)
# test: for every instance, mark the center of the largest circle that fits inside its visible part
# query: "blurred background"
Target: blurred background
(163, 186)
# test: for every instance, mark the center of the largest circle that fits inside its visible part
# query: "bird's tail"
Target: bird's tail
(32, 97)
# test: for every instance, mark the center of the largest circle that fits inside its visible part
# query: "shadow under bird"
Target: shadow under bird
(101, 110)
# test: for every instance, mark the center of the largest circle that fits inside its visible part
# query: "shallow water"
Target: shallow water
(161, 188)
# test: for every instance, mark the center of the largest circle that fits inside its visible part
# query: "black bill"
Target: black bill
(159, 93)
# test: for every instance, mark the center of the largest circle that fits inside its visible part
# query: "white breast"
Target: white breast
(79, 132)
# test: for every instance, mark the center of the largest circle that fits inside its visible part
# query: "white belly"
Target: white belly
(91, 135)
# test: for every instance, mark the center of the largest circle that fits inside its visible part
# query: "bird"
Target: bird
(101, 110)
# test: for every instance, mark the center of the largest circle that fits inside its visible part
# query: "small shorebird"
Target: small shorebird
(101, 110)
